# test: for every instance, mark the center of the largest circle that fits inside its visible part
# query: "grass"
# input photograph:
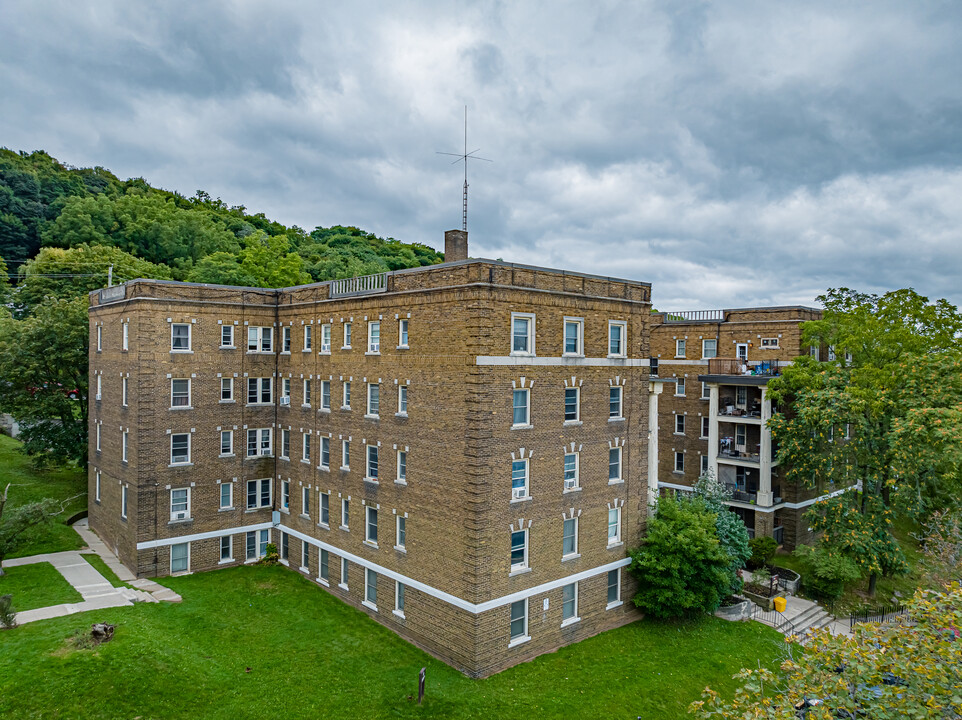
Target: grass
(100, 566)
(36, 586)
(253, 642)
(31, 485)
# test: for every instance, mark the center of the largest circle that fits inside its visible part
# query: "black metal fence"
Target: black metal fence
(879, 614)
(773, 618)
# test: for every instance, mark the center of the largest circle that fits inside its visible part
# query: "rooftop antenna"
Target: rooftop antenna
(464, 157)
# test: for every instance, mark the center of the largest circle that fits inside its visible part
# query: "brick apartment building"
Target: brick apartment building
(460, 451)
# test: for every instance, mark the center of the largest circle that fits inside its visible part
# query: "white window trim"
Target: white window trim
(581, 337)
(185, 463)
(683, 424)
(398, 545)
(527, 480)
(524, 566)
(530, 317)
(368, 414)
(230, 384)
(187, 515)
(368, 510)
(171, 559)
(326, 330)
(230, 452)
(404, 323)
(621, 403)
(230, 345)
(367, 463)
(577, 419)
(675, 469)
(527, 405)
(621, 466)
(577, 486)
(371, 349)
(614, 603)
(704, 345)
(681, 344)
(262, 331)
(190, 338)
(230, 496)
(574, 553)
(190, 394)
(524, 637)
(398, 479)
(401, 390)
(614, 542)
(230, 544)
(623, 324)
(574, 618)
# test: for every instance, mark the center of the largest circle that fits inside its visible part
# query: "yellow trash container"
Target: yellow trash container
(780, 604)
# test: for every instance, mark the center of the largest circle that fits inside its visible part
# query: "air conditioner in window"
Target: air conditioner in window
(182, 515)
(570, 484)
(518, 493)
(375, 347)
(285, 401)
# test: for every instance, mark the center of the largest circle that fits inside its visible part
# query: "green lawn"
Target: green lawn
(100, 566)
(31, 485)
(255, 642)
(36, 586)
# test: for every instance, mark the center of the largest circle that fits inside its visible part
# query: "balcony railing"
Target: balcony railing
(738, 366)
(361, 285)
(696, 315)
(733, 454)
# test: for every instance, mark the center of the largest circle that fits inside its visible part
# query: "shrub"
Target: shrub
(8, 616)
(271, 555)
(827, 571)
(763, 550)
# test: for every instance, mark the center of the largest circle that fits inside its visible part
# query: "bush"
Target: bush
(763, 550)
(8, 616)
(271, 555)
(827, 571)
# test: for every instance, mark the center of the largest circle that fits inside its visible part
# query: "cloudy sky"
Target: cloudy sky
(730, 153)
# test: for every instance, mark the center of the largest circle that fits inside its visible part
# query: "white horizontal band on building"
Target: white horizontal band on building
(534, 361)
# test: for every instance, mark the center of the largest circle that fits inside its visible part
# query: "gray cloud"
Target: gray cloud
(730, 153)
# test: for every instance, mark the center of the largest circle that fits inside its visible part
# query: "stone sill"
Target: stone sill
(613, 605)
(522, 427)
(526, 498)
(618, 544)
(572, 423)
(570, 621)
(519, 571)
(572, 556)
(370, 605)
(519, 641)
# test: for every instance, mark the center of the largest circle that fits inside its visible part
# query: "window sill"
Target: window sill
(345, 407)
(306, 350)
(227, 347)
(521, 354)
(400, 614)
(616, 419)
(342, 586)
(285, 510)
(324, 468)
(306, 461)
(702, 437)
(370, 605)
(371, 480)
(371, 544)
(570, 621)
(226, 402)
(226, 561)
(181, 352)
(374, 352)
(345, 528)
(306, 406)
(401, 481)
(282, 457)
(522, 427)
(618, 481)
(678, 434)
(226, 455)
(569, 423)
(678, 472)
(323, 582)
(401, 415)
(257, 509)
(401, 549)
(261, 352)
(284, 562)
(179, 465)
(305, 516)
(323, 352)
(617, 356)
(262, 457)
(226, 509)
(519, 571)
(613, 605)
(345, 468)
(519, 641)
(285, 352)
(368, 416)
(251, 561)
(183, 521)
(613, 545)
(345, 347)
(324, 526)
(572, 556)
(179, 407)
(306, 571)
(571, 490)
(324, 410)
(526, 498)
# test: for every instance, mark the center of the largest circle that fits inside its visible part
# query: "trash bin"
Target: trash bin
(780, 604)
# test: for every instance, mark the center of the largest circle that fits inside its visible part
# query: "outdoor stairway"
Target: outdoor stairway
(801, 617)
(810, 619)
(135, 595)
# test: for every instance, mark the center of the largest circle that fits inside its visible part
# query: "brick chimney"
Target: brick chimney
(455, 245)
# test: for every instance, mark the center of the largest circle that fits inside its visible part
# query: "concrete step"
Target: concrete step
(137, 595)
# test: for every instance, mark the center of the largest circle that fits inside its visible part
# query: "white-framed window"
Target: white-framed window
(574, 336)
(227, 548)
(285, 549)
(257, 541)
(741, 396)
(326, 339)
(704, 464)
(179, 337)
(226, 336)
(614, 587)
(399, 598)
(123, 392)
(741, 436)
(227, 389)
(99, 387)
(522, 334)
(286, 341)
(286, 495)
(307, 390)
(179, 557)
(679, 424)
(518, 628)
(617, 335)
(614, 525)
(769, 342)
(400, 532)
(260, 391)
(680, 387)
(402, 400)
(848, 431)
(370, 525)
(345, 512)
(705, 391)
(571, 471)
(679, 462)
(123, 447)
(325, 460)
(372, 458)
(519, 479)
(519, 550)
(97, 486)
(285, 444)
(347, 395)
(226, 442)
(305, 447)
(325, 566)
(374, 337)
(258, 493)
(705, 423)
(615, 396)
(831, 353)
(325, 394)
(260, 339)
(180, 504)
(305, 500)
(179, 392)
(572, 404)
(226, 495)
(709, 348)
(345, 454)
(813, 350)
(521, 400)
(123, 502)
(325, 503)
(614, 464)
(347, 336)
(125, 339)
(653, 366)
(680, 348)
(305, 555)
(402, 333)
(98, 437)
(259, 442)
(569, 537)
(569, 603)
(741, 351)
(308, 337)
(402, 466)
(100, 338)
(370, 587)
(373, 399)
(180, 448)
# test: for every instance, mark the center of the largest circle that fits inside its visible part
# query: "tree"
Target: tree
(883, 414)
(265, 261)
(732, 533)
(942, 549)
(16, 521)
(888, 671)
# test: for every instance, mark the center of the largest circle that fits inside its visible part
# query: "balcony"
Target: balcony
(733, 454)
(738, 366)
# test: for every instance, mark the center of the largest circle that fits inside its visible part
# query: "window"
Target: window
(226, 495)
(370, 587)
(741, 396)
(308, 337)
(285, 549)
(705, 391)
(179, 392)
(226, 548)
(614, 402)
(257, 541)
(813, 351)
(344, 573)
(125, 341)
(123, 447)
(679, 348)
(123, 502)
(325, 518)
(573, 338)
(347, 396)
(98, 436)
(227, 389)
(226, 336)
(305, 555)
(522, 409)
(123, 392)
(704, 426)
(679, 462)
(680, 387)
(99, 384)
(100, 338)
(226, 442)
(571, 471)
(180, 448)
(572, 404)
(285, 444)
(399, 598)
(325, 571)
(679, 424)
(704, 464)
(260, 339)
(325, 395)
(614, 464)
(307, 391)
(345, 454)
(522, 334)
(519, 479)
(402, 333)
(709, 348)
(286, 495)
(519, 550)
(180, 504)
(259, 442)
(325, 339)
(614, 587)
(306, 447)
(258, 493)
(373, 399)
(770, 342)
(616, 338)
(180, 557)
(519, 620)
(325, 460)
(402, 399)
(260, 391)
(740, 436)
(569, 603)
(345, 512)
(374, 337)
(569, 537)
(614, 526)
(370, 525)
(97, 486)
(305, 501)
(347, 336)
(179, 337)
(653, 366)
(741, 351)
(371, 473)
(286, 339)
(400, 536)
(402, 466)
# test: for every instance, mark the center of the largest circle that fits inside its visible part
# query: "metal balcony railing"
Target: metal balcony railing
(697, 315)
(361, 285)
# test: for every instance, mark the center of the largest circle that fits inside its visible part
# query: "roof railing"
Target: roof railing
(360, 285)
(695, 315)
